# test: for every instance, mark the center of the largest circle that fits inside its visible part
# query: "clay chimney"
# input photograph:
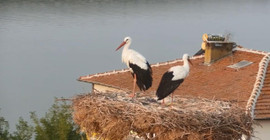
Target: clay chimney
(215, 50)
(215, 47)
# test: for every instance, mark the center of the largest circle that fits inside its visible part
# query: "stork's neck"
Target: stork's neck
(186, 65)
(126, 47)
(125, 53)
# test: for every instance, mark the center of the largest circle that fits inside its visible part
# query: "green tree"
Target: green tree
(4, 126)
(57, 124)
(23, 131)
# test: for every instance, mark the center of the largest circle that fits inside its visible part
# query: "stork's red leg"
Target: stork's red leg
(132, 95)
(172, 99)
(163, 102)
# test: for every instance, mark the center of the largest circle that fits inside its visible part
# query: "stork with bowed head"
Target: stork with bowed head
(172, 79)
(203, 46)
(139, 67)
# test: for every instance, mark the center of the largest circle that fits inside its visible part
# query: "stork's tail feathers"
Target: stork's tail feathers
(200, 52)
(144, 77)
(160, 98)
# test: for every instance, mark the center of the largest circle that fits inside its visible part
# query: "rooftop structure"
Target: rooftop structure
(248, 86)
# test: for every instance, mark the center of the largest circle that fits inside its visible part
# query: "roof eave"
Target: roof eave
(102, 84)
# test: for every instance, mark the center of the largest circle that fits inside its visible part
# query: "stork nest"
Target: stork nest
(114, 116)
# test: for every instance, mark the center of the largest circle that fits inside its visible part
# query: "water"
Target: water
(46, 45)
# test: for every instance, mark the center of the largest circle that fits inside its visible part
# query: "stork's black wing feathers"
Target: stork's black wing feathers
(144, 77)
(200, 52)
(166, 85)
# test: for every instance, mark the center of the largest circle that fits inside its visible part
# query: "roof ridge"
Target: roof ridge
(174, 61)
(126, 70)
(103, 74)
(258, 84)
(250, 50)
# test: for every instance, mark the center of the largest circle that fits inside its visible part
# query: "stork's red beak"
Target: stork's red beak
(190, 62)
(121, 45)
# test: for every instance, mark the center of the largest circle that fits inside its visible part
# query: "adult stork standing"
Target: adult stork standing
(139, 67)
(172, 79)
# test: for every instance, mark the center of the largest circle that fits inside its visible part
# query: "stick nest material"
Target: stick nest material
(114, 116)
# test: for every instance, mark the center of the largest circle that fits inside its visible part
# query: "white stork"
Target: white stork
(172, 78)
(139, 67)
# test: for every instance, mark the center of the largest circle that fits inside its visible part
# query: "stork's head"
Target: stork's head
(186, 57)
(205, 37)
(127, 40)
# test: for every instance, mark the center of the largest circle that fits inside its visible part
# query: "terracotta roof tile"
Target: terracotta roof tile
(213, 82)
(262, 109)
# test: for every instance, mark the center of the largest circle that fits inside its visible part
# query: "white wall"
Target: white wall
(102, 88)
(262, 132)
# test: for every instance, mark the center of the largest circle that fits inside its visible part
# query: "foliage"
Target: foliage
(23, 131)
(57, 124)
(4, 126)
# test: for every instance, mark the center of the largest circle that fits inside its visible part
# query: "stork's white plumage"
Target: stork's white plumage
(172, 79)
(139, 67)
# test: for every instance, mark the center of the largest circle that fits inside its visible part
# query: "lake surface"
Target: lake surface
(46, 45)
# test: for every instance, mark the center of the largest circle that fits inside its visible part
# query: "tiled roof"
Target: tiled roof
(216, 81)
(262, 108)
